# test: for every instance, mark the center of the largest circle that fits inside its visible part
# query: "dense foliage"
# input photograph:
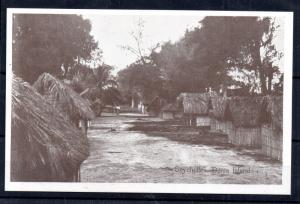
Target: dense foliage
(49, 43)
(220, 52)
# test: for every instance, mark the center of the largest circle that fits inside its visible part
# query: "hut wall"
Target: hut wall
(271, 142)
(178, 115)
(152, 113)
(213, 125)
(221, 126)
(83, 125)
(167, 115)
(246, 136)
(189, 119)
(203, 121)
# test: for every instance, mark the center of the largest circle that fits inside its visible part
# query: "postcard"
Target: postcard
(148, 101)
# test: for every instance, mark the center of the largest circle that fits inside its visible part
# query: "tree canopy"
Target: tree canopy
(244, 43)
(210, 56)
(49, 43)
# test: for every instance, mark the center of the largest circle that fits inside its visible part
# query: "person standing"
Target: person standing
(118, 108)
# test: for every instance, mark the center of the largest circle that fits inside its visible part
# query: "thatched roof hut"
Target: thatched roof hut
(172, 110)
(246, 119)
(246, 111)
(220, 108)
(44, 146)
(220, 115)
(62, 97)
(195, 103)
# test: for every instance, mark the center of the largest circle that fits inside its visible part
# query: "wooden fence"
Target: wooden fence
(271, 142)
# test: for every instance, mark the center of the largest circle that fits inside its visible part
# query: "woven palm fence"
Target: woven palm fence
(195, 103)
(246, 119)
(271, 131)
(220, 116)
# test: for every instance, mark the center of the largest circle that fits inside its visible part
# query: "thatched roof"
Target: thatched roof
(97, 106)
(195, 103)
(171, 107)
(67, 101)
(45, 147)
(246, 111)
(85, 92)
(274, 107)
(220, 107)
(91, 94)
(97, 102)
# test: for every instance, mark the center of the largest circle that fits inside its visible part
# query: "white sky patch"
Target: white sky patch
(278, 41)
(114, 31)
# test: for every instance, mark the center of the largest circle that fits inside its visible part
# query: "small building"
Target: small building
(44, 146)
(271, 130)
(171, 111)
(220, 116)
(196, 107)
(73, 107)
(246, 118)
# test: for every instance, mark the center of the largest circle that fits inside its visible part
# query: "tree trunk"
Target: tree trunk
(270, 78)
(263, 82)
(258, 66)
(270, 71)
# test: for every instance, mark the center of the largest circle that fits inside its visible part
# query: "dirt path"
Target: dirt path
(121, 156)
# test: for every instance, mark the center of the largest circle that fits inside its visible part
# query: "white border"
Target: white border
(283, 189)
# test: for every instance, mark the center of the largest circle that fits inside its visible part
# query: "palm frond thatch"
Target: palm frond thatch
(220, 107)
(67, 101)
(97, 107)
(171, 107)
(246, 111)
(195, 103)
(45, 147)
(275, 108)
(91, 94)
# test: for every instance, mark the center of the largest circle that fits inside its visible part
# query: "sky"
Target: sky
(114, 31)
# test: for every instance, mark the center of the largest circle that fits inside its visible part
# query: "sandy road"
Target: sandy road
(120, 156)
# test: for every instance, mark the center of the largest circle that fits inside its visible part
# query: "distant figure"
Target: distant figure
(118, 108)
(83, 125)
(143, 109)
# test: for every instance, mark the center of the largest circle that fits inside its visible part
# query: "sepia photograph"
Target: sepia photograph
(148, 101)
